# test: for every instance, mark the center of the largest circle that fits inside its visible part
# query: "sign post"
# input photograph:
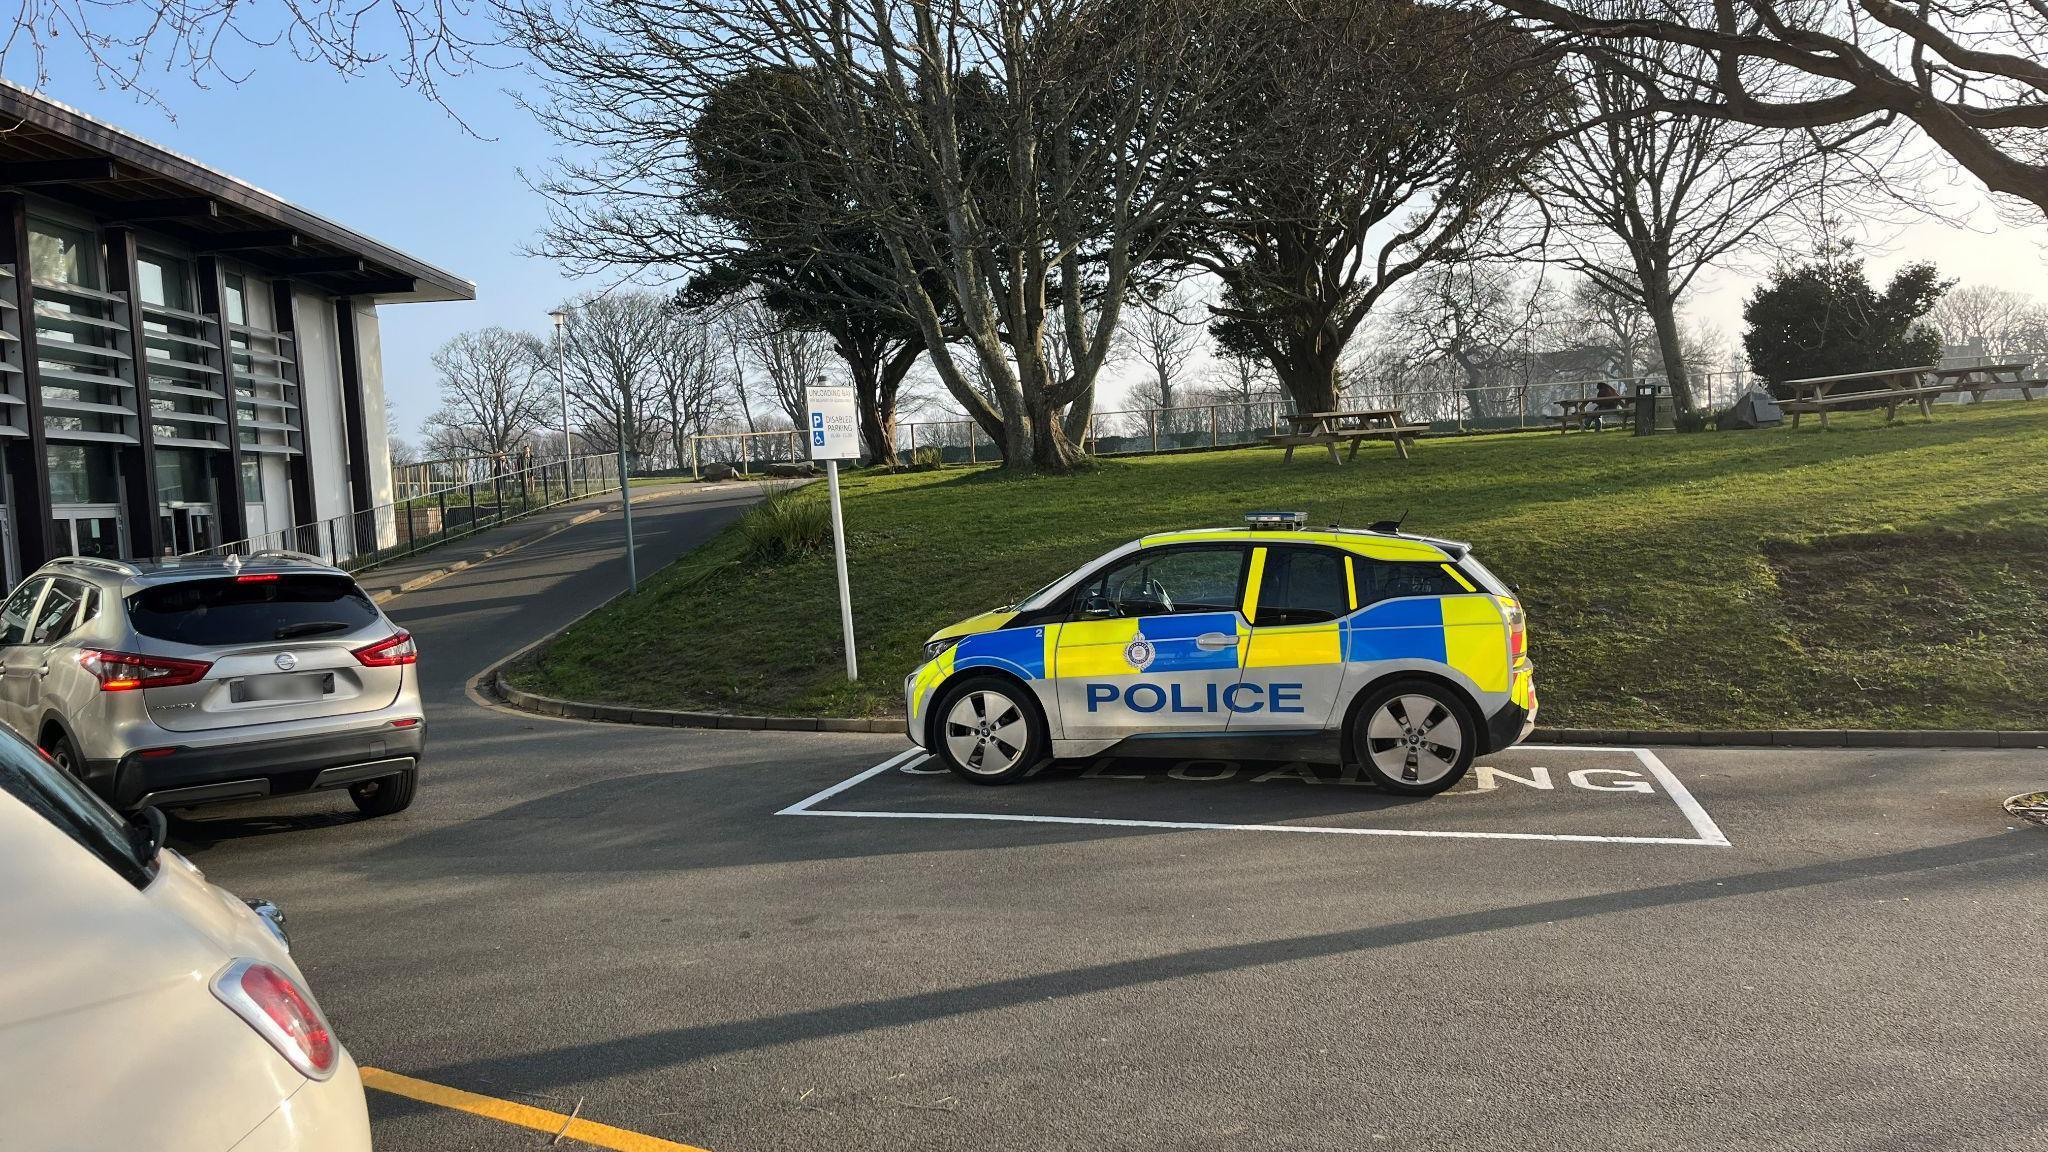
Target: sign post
(835, 436)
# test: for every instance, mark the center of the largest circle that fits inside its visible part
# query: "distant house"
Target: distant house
(185, 360)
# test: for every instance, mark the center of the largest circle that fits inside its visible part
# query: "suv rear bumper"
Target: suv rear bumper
(178, 776)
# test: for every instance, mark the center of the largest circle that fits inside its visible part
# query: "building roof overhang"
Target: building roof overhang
(57, 151)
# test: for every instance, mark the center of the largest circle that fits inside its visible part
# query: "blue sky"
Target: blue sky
(381, 160)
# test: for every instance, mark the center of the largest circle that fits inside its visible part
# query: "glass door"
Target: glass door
(90, 530)
(187, 528)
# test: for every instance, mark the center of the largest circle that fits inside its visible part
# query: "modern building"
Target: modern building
(186, 361)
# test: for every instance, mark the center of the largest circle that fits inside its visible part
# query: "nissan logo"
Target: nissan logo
(286, 661)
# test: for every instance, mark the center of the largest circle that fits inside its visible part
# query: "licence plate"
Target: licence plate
(280, 689)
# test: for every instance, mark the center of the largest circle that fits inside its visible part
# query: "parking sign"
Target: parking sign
(835, 429)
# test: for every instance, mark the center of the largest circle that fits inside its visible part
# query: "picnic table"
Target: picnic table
(1895, 386)
(1352, 424)
(1990, 377)
(1576, 414)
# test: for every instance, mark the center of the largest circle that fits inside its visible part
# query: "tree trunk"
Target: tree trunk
(877, 426)
(1051, 450)
(1079, 413)
(1473, 378)
(1662, 306)
(1309, 373)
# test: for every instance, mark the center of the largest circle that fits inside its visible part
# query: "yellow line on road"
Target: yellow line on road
(523, 1115)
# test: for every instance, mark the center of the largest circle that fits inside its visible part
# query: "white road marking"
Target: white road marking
(798, 808)
(1709, 834)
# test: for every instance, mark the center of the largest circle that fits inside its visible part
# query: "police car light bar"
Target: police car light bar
(1290, 520)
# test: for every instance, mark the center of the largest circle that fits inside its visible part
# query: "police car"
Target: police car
(1398, 652)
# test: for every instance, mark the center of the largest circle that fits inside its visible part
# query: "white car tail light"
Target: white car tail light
(397, 649)
(127, 671)
(281, 1012)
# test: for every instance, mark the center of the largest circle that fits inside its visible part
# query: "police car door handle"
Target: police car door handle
(1216, 641)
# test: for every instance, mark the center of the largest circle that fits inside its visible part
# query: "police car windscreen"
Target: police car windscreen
(251, 609)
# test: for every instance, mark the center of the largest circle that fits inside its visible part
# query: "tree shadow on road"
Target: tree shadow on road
(1989, 857)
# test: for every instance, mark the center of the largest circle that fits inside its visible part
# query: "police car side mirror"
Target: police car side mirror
(1097, 606)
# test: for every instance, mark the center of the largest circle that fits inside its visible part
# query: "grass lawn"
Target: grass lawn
(1869, 576)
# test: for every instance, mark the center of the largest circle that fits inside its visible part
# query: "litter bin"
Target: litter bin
(1646, 408)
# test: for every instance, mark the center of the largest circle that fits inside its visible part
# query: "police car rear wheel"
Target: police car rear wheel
(1414, 738)
(990, 731)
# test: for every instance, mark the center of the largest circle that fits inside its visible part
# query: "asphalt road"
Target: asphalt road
(617, 921)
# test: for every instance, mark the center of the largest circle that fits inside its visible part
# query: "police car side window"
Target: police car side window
(1166, 582)
(1302, 586)
(1387, 580)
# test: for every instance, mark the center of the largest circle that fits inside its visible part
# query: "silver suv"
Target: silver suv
(178, 682)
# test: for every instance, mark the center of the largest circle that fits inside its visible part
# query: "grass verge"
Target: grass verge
(1871, 576)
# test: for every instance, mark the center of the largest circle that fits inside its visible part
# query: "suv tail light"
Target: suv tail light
(281, 1012)
(127, 671)
(398, 649)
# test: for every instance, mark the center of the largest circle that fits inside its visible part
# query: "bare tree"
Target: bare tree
(1021, 161)
(1971, 74)
(1166, 334)
(1647, 200)
(422, 43)
(493, 393)
(1381, 137)
(1995, 322)
(791, 357)
(1617, 320)
(611, 346)
(690, 373)
(1473, 315)
(1242, 378)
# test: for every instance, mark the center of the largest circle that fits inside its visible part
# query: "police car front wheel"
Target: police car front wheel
(1414, 737)
(989, 730)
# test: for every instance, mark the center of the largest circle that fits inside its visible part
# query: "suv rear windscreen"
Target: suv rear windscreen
(252, 609)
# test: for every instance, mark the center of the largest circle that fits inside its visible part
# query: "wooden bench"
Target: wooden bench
(1401, 434)
(1578, 411)
(1990, 378)
(1897, 386)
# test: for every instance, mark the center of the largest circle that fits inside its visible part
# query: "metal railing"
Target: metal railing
(746, 452)
(363, 539)
(1145, 431)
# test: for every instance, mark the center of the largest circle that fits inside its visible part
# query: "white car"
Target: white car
(142, 1007)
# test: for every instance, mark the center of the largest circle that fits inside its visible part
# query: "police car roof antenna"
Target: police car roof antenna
(1390, 527)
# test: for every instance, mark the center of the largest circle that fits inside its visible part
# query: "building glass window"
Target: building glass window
(77, 332)
(64, 254)
(237, 299)
(181, 476)
(187, 396)
(252, 481)
(83, 474)
(163, 281)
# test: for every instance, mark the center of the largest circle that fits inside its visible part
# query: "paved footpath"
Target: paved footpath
(1562, 954)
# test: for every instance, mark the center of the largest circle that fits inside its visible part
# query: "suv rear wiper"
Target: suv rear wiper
(310, 628)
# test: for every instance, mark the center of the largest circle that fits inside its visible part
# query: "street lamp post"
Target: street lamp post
(561, 318)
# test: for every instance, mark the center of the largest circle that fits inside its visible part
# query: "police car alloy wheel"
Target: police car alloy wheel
(989, 730)
(1414, 738)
